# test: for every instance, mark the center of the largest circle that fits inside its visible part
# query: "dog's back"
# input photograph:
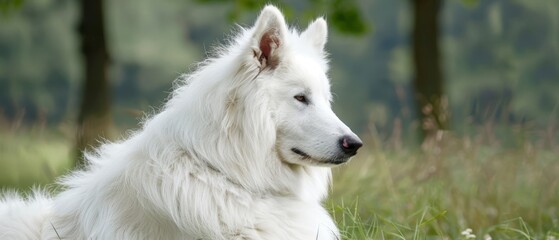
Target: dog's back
(23, 218)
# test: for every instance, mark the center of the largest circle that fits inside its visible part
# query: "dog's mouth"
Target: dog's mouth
(301, 153)
(305, 156)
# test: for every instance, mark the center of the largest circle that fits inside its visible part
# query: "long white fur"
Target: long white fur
(213, 163)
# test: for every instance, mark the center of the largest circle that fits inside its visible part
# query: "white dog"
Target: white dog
(241, 150)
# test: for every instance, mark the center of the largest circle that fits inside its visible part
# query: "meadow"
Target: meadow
(450, 188)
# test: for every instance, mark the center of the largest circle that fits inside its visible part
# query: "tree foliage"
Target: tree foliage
(7, 5)
(344, 15)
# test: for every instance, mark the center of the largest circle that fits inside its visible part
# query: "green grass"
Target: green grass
(29, 158)
(434, 193)
(450, 186)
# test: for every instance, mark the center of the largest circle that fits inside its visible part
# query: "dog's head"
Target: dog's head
(293, 71)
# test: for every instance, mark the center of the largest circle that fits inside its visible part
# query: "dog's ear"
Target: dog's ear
(269, 36)
(317, 33)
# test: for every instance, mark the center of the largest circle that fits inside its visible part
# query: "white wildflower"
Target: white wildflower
(487, 237)
(468, 234)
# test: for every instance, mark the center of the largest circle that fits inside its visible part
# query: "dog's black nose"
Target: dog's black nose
(350, 145)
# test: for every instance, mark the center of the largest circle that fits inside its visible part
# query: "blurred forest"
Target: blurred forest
(500, 61)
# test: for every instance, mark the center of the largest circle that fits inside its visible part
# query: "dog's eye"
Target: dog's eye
(302, 98)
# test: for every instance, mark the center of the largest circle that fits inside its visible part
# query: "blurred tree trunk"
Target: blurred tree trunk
(94, 119)
(431, 104)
